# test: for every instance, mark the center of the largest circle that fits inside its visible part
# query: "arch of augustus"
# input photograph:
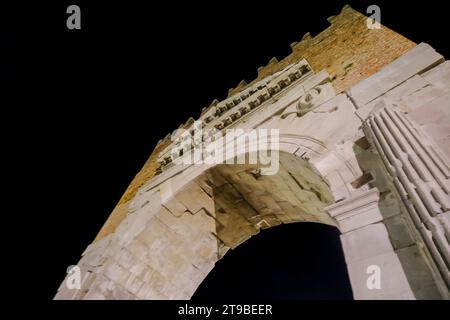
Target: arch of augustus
(363, 120)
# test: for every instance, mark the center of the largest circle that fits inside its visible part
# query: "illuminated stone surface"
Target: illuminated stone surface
(364, 146)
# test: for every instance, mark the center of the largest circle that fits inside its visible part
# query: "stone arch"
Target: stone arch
(178, 228)
(216, 211)
(246, 202)
(166, 240)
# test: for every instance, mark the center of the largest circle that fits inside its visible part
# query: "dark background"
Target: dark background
(91, 104)
(297, 261)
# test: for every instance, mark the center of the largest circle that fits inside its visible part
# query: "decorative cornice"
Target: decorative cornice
(222, 114)
(357, 211)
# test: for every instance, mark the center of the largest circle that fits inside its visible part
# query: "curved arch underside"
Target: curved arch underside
(245, 202)
(225, 206)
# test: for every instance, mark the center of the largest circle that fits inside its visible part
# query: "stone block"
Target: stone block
(439, 75)
(399, 232)
(420, 98)
(420, 276)
(393, 283)
(417, 60)
(117, 273)
(94, 295)
(138, 249)
(126, 259)
(194, 199)
(364, 243)
(165, 222)
(407, 88)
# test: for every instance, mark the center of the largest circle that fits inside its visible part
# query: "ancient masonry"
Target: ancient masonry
(364, 120)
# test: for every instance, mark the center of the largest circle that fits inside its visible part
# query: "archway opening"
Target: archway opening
(292, 261)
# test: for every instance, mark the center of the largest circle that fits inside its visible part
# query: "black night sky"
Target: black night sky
(94, 103)
(293, 261)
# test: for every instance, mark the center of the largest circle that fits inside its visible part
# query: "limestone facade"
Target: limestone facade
(370, 158)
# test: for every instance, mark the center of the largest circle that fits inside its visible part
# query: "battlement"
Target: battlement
(347, 49)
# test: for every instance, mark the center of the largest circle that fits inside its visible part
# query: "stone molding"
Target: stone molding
(357, 211)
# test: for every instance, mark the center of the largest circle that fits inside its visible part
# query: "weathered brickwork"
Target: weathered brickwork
(347, 49)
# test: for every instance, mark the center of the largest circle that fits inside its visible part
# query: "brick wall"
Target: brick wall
(347, 49)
